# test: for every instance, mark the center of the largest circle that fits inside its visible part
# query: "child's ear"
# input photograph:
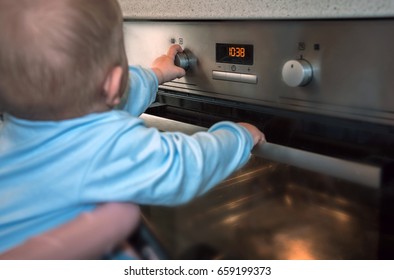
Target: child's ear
(112, 86)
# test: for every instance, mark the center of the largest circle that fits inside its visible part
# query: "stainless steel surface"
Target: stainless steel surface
(363, 174)
(351, 59)
(297, 73)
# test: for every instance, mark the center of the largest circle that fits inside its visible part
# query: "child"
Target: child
(64, 149)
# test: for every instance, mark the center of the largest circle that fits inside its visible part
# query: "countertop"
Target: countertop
(256, 9)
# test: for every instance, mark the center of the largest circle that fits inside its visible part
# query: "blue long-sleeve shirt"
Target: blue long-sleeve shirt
(51, 171)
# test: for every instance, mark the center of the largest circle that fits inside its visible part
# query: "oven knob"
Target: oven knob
(185, 60)
(297, 73)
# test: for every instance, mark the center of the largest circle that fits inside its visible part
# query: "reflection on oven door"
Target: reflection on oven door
(271, 211)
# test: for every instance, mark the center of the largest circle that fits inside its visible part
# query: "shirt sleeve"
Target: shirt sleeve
(146, 166)
(142, 90)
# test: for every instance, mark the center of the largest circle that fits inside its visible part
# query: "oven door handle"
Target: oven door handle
(359, 173)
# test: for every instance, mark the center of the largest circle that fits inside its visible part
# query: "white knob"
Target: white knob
(297, 73)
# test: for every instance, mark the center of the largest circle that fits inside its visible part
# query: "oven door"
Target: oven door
(269, 210)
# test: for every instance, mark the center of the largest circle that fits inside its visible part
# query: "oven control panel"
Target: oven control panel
(340, 68)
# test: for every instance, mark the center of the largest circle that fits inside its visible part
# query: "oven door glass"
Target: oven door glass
(268, 210)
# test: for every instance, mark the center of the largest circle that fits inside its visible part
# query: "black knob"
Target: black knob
(185, 60)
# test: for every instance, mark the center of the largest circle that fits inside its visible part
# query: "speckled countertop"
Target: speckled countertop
(255, 9)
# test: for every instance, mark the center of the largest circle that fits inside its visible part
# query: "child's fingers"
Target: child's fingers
(173, 50)
(180, 72)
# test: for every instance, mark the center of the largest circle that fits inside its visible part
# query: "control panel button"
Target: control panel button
(234, 77)
(219, 75)
(250, 79)
(297, 73)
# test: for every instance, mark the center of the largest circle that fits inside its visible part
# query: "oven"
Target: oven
(322, 92)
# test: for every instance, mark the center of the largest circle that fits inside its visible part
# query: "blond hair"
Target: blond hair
(55, 55)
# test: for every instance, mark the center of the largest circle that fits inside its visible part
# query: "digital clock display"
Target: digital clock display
(234, 54)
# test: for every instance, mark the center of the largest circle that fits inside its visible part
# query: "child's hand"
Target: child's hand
(165, 68)
(258, 136)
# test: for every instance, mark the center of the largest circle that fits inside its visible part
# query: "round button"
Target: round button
(181, 60)
(297, 73)
(185, 59)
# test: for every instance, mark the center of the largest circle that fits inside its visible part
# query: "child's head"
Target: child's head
(58, 58)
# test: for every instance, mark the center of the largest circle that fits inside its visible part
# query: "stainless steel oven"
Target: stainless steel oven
(323, 93)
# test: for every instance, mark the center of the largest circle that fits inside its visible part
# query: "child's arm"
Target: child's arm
(145, 166)
(142, 91)
(257, 135)
(164, 66)
(144, 82)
